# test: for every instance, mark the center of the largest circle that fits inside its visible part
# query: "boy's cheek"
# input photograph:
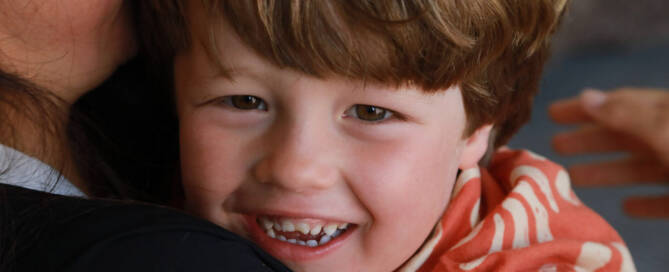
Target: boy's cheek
(206, 162)
(208, 189)
(210, 208)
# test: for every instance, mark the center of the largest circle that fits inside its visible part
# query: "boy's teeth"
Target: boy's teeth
(322, 233)
(330, 229)
(303, 228)
(324, 239)
(316, 229)
(287, 226)
(266, 223)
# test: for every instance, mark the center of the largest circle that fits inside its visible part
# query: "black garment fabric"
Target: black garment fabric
(45, 232)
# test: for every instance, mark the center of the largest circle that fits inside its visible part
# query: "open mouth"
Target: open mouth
(304, 232)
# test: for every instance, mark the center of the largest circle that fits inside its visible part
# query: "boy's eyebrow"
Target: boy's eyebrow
(225, 69)
(231, 72)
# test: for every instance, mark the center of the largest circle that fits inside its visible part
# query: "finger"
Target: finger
(642, 113)
(619, 172)
(568, 111)
(648, 207)
(596, 139)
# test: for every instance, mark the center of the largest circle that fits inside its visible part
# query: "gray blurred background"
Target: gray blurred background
(606, 44)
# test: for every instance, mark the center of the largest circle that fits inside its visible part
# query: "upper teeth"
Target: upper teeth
(267, 224)
(287, 226)
(315, 230)
(328, 231)
(303, 228)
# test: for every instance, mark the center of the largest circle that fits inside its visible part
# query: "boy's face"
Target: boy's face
(277, 153)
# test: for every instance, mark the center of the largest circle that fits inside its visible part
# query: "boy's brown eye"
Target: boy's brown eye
(371, 113)
(245, 102)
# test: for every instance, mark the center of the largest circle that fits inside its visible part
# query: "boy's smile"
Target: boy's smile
(304, 232)
(324, 174)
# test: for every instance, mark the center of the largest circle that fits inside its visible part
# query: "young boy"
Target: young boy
(346, 135)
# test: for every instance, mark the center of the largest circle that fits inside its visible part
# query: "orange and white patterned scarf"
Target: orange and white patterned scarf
(520, 214)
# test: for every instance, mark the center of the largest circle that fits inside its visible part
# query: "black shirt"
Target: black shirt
(46, 232)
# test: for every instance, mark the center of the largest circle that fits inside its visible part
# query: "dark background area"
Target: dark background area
(607, 44)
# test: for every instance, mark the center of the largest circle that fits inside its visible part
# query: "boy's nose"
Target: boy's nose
(300, 162)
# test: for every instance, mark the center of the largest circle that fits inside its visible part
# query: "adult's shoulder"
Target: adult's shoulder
(55, 233)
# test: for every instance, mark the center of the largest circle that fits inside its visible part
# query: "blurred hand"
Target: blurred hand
(631, 120)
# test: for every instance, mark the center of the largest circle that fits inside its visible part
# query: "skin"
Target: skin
(303, 153)
(630, 120)
(66, 47)
(69, 46)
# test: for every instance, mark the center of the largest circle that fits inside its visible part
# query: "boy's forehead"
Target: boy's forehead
(341, 49)
(235, 55)
(239, 62)
(236, 60)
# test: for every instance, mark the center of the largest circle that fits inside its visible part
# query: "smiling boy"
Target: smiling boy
(346, 136)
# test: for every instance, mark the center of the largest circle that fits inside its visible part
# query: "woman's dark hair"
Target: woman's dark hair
(122, 137)
(117, 126)
(20, 98)
(126, 131)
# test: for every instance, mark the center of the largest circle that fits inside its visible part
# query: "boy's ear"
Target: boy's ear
(475, 147)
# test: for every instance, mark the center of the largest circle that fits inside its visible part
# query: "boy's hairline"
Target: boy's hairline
(210, 43)
(212, 48)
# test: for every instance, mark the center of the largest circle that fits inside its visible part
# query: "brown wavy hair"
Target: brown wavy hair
(494, 49)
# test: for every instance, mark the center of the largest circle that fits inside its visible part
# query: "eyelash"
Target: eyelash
(353, 111)
(387, 114)
(230, 102)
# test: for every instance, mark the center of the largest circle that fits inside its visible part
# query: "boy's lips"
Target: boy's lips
(297, 239)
